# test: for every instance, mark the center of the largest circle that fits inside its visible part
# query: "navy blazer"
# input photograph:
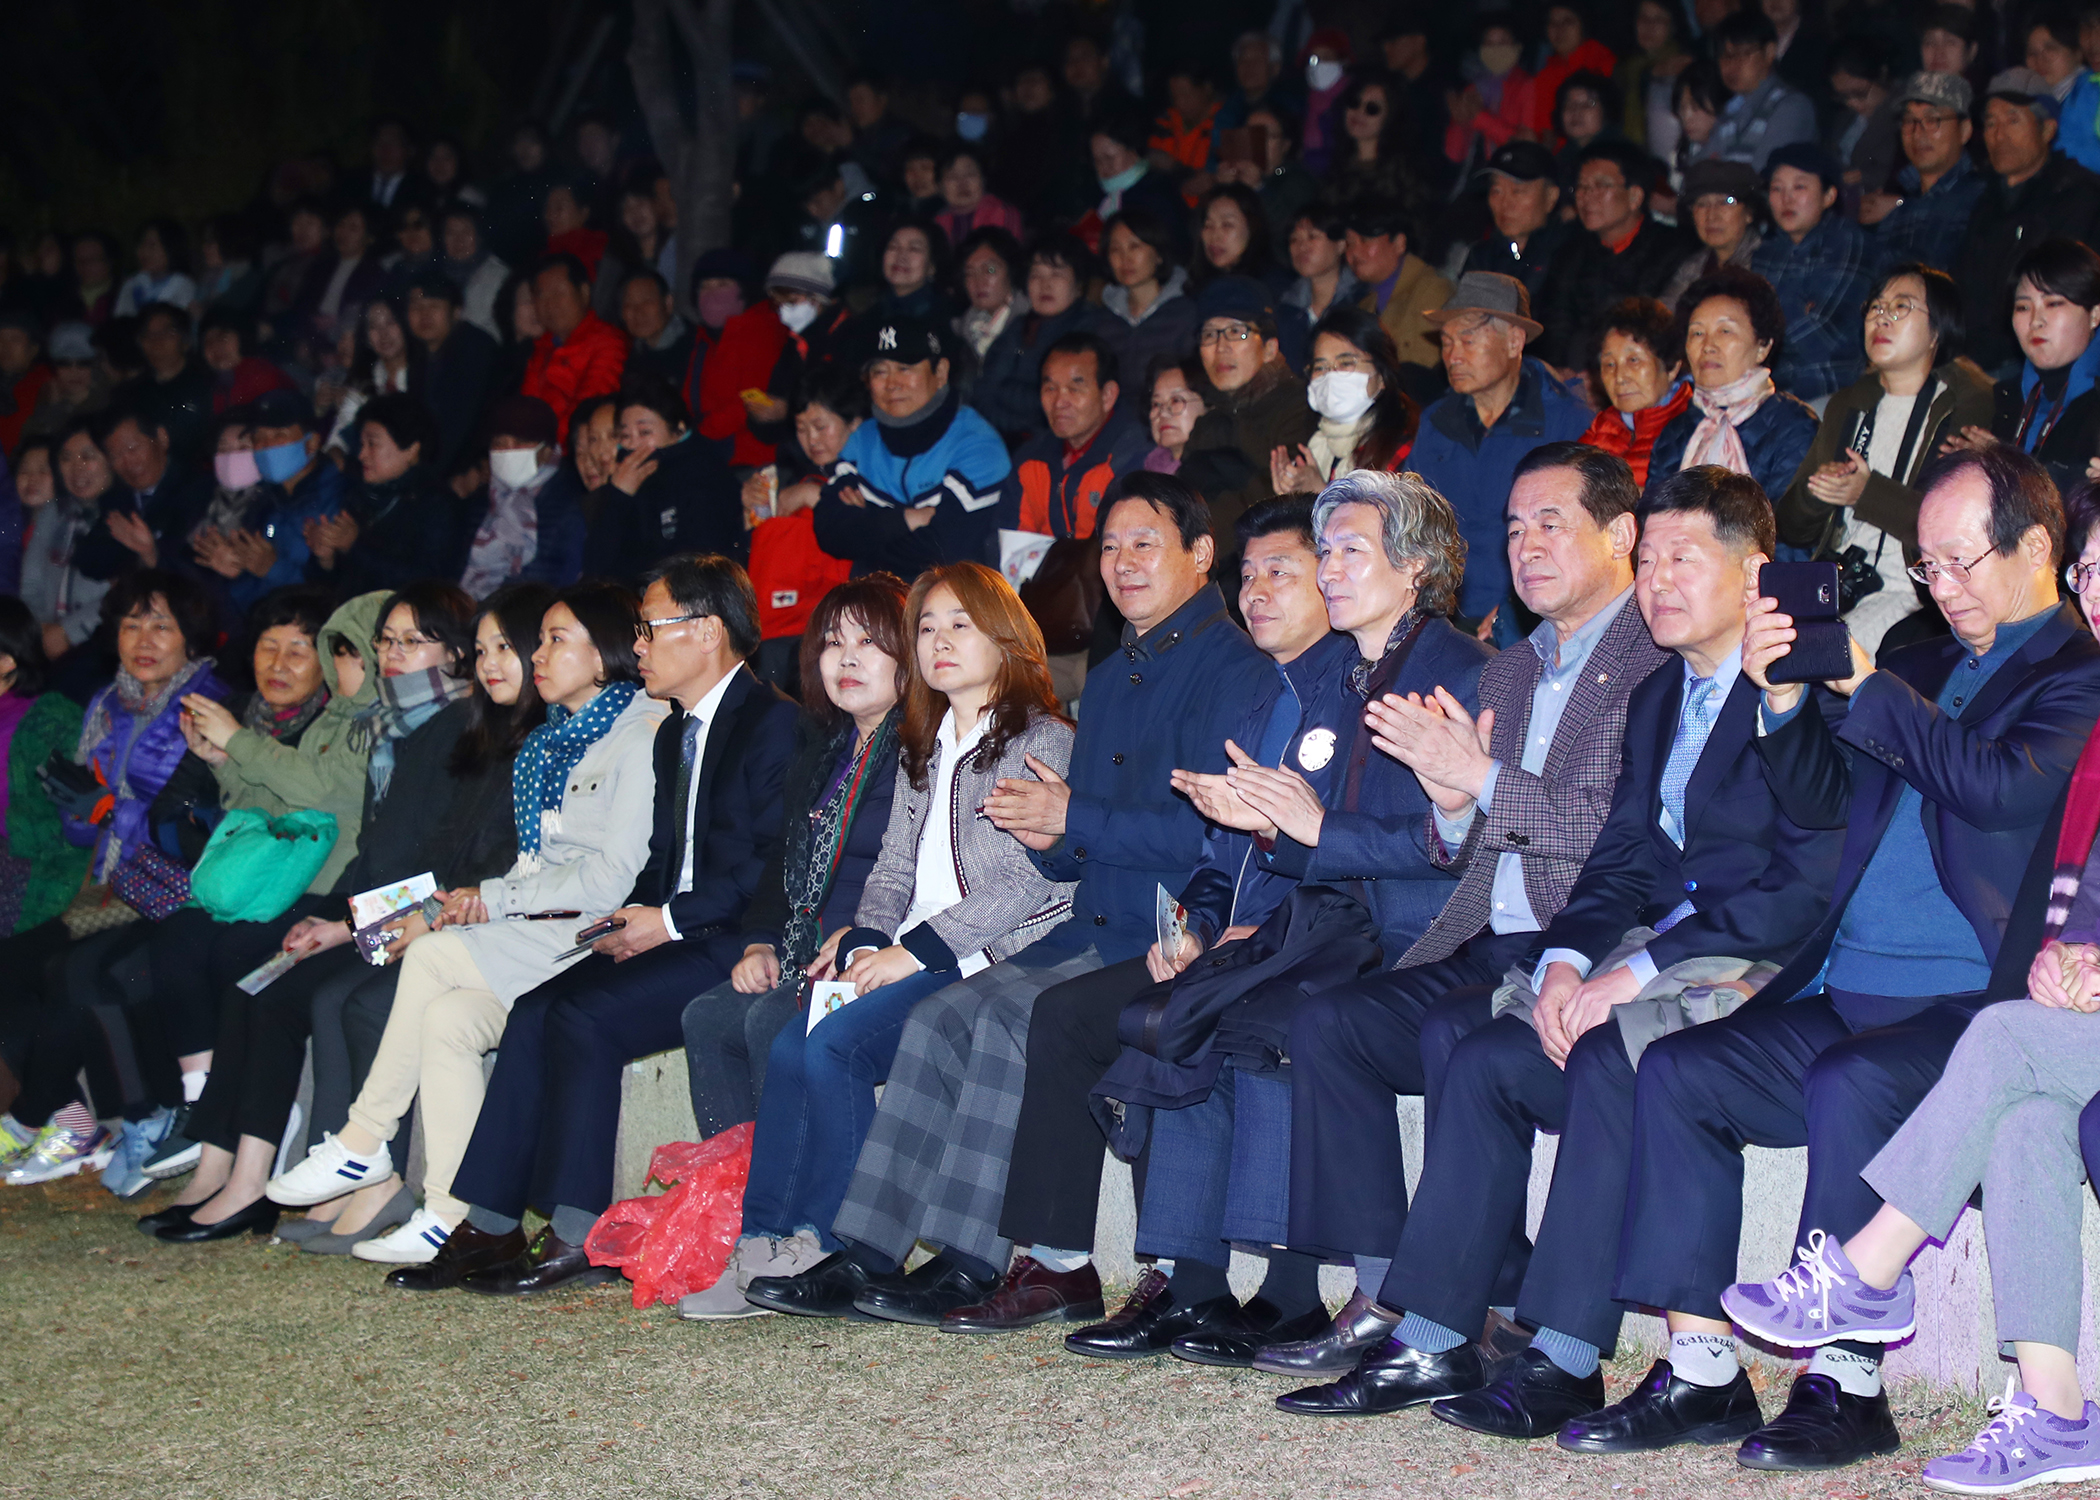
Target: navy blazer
(1228, 887)
(1991, 772)
(1374, 839)
(736, 814)
(1757, 879)
(1163, 701)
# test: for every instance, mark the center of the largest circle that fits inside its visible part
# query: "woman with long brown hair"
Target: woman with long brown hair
(949, 896)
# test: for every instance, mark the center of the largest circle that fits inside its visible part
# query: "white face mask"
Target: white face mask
(514, 467)
(1340, 395)
(1322, 74)
(796, 316)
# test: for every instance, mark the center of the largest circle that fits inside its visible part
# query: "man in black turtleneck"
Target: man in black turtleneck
(919, 485)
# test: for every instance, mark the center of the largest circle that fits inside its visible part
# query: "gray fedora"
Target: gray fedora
(1489, 292)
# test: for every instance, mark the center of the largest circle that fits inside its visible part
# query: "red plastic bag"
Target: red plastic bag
(679, 1241)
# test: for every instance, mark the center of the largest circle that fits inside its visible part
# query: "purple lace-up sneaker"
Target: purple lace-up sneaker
(2023, 1445)
(1822, 1300)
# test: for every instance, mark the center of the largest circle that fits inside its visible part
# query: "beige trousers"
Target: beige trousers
(444, 1020)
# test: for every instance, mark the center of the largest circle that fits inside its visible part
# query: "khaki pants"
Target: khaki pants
(444, 1020)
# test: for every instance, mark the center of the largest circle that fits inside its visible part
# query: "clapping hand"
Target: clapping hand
(1445, 746)
(1841, 481)
(1281, 795)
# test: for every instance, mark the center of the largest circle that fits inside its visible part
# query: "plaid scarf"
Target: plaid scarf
(405, 704)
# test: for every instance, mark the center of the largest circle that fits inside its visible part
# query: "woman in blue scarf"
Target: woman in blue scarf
(582, 789)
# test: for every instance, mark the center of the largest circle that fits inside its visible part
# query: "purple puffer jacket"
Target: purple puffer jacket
(136, 759)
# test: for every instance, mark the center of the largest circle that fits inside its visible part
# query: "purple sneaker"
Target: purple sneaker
(2023, 1445)
(1821, 1301)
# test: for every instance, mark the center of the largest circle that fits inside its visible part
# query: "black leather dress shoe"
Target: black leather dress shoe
(1390, 1377)
(465, 1251)
(1335, 1348)
(825, 1290)
(1529, 1397)
(1148, 1322)
(259, 1217)
(1232, 1339)
(168, 1218)
(1824, 1426)
(935, 1290)
(1664, 1411)
(551, 1263)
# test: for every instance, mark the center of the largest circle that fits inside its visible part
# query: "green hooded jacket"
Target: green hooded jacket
(321, 772)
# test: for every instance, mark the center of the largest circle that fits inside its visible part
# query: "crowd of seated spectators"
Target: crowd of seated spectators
(1152, 607)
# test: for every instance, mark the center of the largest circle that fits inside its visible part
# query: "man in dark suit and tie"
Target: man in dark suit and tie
(1698, 853)
(1945, 774)
(546, 1131)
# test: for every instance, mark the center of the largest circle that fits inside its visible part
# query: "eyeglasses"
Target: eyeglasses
(647, 629)
(1929, 573)
(1237, 333)
(2079, 575)
(1179, 404)
(1347, 363)
(383, 643)
(1892, 312)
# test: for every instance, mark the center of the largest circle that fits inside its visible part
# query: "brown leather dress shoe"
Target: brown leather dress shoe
(1032, 1293)
(465, 1250)
(551, 1262)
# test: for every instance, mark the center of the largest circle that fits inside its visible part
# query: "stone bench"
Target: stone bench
(1956, 1344)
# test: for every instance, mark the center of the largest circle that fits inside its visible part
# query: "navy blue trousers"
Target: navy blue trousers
(548, 1124)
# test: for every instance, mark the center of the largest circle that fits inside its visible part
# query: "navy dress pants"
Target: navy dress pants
(1353, 1049)
(1793, 1074)
(552, 1113)
(1463, 1249)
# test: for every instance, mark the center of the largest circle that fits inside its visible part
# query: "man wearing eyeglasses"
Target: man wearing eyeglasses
(1927, 205)
(1945, 774)
(1260, 405)
(1623, 251)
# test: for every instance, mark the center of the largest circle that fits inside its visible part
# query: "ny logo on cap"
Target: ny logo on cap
(887, 339)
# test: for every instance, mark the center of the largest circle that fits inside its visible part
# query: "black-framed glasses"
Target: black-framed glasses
(647, 629)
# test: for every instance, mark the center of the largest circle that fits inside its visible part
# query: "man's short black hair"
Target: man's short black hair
(133, 593)
(1608, 490)
(103, 425)
(1376, 218)
(646, 273)
(1080, 341)
(705, 583)
(1275, 516)
(571, 266)
(175, 317)
(1734, 503)
(1170, 494)
(2023, 496)
(1748, 27)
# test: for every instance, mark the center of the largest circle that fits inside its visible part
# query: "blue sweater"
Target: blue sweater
(952, 461)
(1168, 699)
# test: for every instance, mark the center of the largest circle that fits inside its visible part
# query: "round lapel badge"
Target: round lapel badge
(1316, 749)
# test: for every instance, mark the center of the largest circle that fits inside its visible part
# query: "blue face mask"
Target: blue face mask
(281, 462)
(972, 127)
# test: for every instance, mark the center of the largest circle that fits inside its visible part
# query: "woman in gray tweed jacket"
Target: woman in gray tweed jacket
(950, 895)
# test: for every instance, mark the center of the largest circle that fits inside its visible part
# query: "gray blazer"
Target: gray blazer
(1007, 903)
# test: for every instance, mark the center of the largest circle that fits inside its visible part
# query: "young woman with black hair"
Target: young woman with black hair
(582, 789)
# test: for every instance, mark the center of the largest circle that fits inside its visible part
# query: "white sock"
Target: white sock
(1856, 1374)
(193, 1082)
(1052, 1258)
(1704, 1358)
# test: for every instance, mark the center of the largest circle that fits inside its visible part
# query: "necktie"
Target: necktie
(1684, 755)
(681, 813)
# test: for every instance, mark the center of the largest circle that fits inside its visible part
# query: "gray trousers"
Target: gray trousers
(2004, 1116)
(934, 1166)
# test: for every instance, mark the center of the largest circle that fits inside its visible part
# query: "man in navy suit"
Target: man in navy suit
(546, 1131)
(1699, 860)
(1947, 769)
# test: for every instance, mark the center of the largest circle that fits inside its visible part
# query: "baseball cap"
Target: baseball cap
(72, 343)
(1522, 161)
(282, 409)
(1942, 90)
(908, 341)
(1240, 297)
(2025, 86)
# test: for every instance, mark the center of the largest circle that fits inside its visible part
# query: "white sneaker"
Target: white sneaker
(725, 1299)
(328, 1172)
(415, 1243)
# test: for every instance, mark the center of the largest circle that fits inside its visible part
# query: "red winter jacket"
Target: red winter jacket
(588, 363)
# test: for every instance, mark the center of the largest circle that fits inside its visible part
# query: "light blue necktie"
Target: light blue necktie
(1692, 726)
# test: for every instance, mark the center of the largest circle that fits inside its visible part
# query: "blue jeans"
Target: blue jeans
(819, 1104)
